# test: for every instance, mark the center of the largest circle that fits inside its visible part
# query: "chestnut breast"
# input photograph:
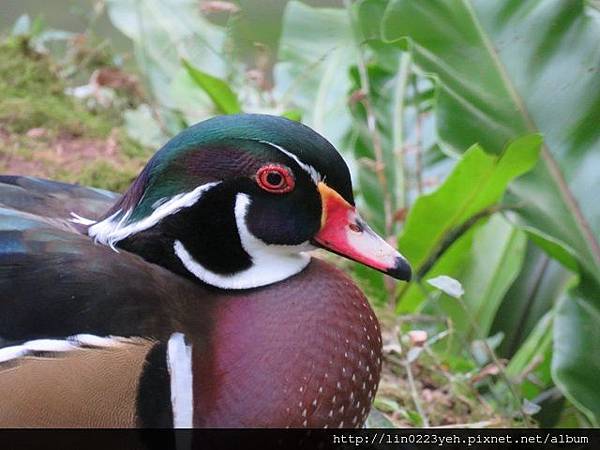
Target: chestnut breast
(305, 352)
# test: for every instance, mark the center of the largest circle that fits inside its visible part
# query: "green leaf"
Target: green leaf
(539, 285)
(576, 365)
(218, 90)
(293, 114)
(477, 182)
(496, 258)
(447, 285)
(553, 247)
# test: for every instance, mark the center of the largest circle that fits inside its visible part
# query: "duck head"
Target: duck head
(236, 201)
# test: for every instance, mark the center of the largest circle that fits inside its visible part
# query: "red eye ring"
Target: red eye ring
(275, 179)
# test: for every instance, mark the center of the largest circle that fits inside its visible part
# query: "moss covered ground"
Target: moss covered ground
(46, 132)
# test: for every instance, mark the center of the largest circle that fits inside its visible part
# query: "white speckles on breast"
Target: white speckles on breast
(295, 353)
(340, 359)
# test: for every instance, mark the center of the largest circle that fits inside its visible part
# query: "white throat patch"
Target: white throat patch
(270, 263)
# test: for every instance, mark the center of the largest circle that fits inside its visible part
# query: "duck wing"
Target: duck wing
(86, 381)
(56, 282)
(91, 381)
(52, 199)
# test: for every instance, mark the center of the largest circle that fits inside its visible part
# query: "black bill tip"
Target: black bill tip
(401, 270)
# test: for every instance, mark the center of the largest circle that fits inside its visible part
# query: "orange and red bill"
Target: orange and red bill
(344, 232)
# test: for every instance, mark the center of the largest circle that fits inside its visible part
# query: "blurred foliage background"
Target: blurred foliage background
(471, 128)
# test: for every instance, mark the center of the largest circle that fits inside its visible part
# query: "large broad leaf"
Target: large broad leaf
(496, 259)
(510, 67)
(477, 182)
(576, 364)
(163, 34)
(541, 282)
(507, 68)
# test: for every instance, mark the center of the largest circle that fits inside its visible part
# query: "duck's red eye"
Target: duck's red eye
(275, 179)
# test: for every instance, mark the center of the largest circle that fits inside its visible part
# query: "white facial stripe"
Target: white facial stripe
(61, 345)
(270, 263)
(179, 363)
(316, 176)
(109, 232)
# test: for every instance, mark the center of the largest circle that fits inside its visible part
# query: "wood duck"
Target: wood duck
(190, 301)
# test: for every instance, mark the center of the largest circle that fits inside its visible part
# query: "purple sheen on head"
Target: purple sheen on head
(215, 163)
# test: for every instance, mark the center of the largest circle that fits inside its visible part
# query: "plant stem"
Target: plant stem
(372, 126)
(418, 140)
(415, 394)
(402, 78)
